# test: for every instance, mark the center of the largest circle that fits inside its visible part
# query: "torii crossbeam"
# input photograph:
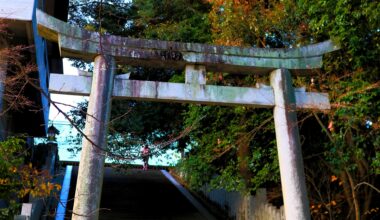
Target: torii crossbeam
(106, 50)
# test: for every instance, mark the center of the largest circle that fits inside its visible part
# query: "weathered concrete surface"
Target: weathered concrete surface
(186, 93)
(289, 148)
(79, 43)
(91, 167)
(195, 74)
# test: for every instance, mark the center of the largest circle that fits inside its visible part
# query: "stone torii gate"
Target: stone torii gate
(106, 50)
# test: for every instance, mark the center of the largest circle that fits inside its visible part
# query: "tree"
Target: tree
(223, 140)
(352, 79)
(19, 178)
(340, 147)
(243, 159)
(341, 160)
(177, 20)
(134, 123)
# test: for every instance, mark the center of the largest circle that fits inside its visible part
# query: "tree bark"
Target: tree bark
(347, 193)
(353, 192)
(243, 155)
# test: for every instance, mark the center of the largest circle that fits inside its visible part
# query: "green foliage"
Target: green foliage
(136, 123)
(355, 25)
(178, 20)
(352, 80)
(376, 163)
(350, 76)
(78, 118)
(265, 166)
(9, 212)
(225, 137)
(197, 172)
(111, 16)
(8, 151)
(174, 20)
(234, 147)
(254, 23)
(11, 158)
(220, 133)
(228, 178)
(17, 179)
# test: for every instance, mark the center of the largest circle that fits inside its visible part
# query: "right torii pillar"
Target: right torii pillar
(289, 147)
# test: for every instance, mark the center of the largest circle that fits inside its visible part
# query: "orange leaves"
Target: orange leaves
(331, 126)
(44, 189)
(26, 179)
(58, 187)
(37, 183)
(229, 42)
(228, 20)
(333, 178)
(322, 208)
(243, 22)
(4, 181)
(328, 205)
(12, 169)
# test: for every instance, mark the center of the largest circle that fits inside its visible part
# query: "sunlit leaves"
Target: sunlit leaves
(219, 136)
(254, 23)
(174, 20)
(17, 179)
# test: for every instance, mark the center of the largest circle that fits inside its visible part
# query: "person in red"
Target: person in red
(145, 156)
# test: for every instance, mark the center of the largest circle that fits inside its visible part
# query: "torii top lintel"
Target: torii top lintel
(75, 42)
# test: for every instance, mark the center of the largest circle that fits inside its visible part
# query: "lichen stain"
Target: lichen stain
(136, 88)
(156, 85)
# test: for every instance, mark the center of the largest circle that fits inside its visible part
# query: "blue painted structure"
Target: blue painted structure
(43, 67)
(61, 210)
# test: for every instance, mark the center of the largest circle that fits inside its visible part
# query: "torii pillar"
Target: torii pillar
(91, 167)
(289, 148)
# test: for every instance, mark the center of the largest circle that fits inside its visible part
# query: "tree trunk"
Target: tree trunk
(182, 146)
(243, 155)
(347, 193)
(367, 191)
(354, 198)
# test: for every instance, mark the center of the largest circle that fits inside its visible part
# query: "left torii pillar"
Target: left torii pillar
(91, 167)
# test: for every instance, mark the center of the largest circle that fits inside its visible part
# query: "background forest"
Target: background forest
(234, 147)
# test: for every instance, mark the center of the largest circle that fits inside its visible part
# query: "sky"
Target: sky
(54, 115)
(58, 119)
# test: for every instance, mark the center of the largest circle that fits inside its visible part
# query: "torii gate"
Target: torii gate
(106, 50)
